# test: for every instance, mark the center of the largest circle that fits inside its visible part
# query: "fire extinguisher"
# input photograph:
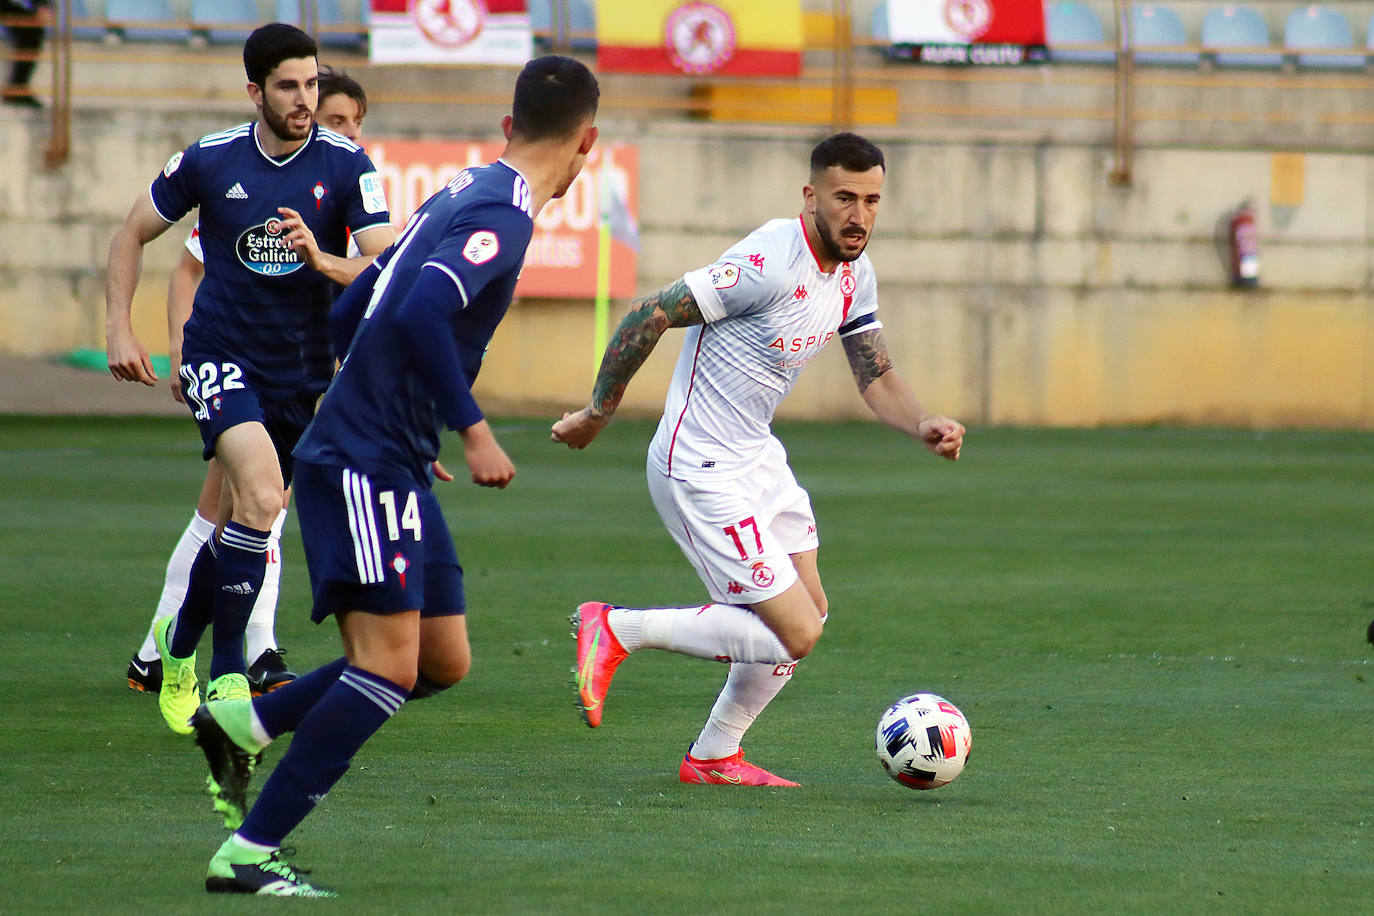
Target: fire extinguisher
(1243, 241)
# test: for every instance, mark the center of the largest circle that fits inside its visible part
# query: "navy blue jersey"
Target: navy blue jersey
(419, 320)
(258, 299)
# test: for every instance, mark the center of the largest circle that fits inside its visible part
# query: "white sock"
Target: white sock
(720, 632)
(747, 690)
(177, 578)
(259, 637)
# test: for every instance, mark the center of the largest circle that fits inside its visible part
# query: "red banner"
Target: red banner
(561, 260)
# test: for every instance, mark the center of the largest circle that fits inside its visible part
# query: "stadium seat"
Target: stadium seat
(1317, 27)
(225, 21)
(1154, 25)
(581, 25)
(145, 20)
(878, 29)
(1075, 24)
(83, 14)
(335, 29)
(1234, 26)
(541, 23)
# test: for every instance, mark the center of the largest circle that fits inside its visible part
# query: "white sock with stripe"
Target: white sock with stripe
(177, 577)
(720, 632)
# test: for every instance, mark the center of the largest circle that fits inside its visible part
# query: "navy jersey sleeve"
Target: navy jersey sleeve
(366, 202)
(347, 311)
(484, 243)
(175, 190)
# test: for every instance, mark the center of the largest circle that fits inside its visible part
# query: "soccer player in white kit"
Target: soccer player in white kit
(718, 476)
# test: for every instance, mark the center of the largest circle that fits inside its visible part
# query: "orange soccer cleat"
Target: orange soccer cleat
(599, 653)
(728, 771)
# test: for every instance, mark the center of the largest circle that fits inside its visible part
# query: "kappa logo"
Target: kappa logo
(236, 192)
(734, 588)
(756, 260)
(800, 293)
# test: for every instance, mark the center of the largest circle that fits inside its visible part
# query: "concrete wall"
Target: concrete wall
(1019, 285)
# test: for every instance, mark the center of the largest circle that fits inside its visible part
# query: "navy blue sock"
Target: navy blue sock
(240, 564)
(281, 710)
(347, 715)
(198, 607)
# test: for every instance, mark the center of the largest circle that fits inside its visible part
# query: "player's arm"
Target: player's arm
(674, 306)
(891, 399)
(423, 320)
(181, 294)
(126, 356)
(342, 270)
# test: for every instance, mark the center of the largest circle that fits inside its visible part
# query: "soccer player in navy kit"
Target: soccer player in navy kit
(243, 371)
(381, 559)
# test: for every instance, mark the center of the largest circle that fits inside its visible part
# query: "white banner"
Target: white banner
(450, 32)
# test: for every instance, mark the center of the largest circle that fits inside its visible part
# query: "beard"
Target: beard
(281, 127)
(831, 243)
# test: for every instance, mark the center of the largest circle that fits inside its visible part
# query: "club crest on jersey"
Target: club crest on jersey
(482, 246)
(724, 276)
(400, 564)
(264, 250)
(847, 282)
(172, 164)
(318, 193)
(763, 576)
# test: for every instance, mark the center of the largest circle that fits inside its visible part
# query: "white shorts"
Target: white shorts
(739, 534)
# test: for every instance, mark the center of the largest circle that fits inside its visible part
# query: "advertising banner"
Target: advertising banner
(974, 32)
(450, 32)
(562, 258)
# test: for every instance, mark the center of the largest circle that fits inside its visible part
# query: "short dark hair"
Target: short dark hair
(849, 151)
(554, 95)
(271, 44)
(338, 82)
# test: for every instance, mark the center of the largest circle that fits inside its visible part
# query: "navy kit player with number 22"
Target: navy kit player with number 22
(244, 371)
(381, 559)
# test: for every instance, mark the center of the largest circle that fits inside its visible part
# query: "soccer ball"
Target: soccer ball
(923, 741)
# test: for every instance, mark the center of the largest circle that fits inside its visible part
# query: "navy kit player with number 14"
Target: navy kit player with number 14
(381, 559)
(245, 373)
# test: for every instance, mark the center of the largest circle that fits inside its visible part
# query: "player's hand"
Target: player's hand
(943, 436)
(441, 472)
(578, 429)
(487, 461)
(128, 359)
(299, 238)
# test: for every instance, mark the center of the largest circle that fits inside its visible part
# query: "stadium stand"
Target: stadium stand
(145, 20)
(1314, 27)
(225, 21)
(1068, 24)
(1234, 26)
(336, 28)
(87, 21)
(1154, 25)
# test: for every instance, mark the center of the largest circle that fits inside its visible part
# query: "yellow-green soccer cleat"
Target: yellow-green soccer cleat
(237, 870)
(228, 687)
(179, 696)
(224, 733)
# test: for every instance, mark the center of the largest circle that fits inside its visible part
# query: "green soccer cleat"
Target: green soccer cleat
(228, 687)
(237, 870)
(224, 734)
(179, 694)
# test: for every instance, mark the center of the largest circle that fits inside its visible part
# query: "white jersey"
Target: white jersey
(769, 311)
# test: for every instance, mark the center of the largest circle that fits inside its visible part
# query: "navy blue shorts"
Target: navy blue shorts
(220, 397)
(375, 545)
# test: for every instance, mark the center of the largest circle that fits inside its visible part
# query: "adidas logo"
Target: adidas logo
(236, 192)
(243, 588)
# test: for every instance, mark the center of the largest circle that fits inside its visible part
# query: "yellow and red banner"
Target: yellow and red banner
(724, 37)
(561, 262)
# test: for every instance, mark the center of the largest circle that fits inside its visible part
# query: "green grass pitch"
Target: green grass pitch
(1157, 636)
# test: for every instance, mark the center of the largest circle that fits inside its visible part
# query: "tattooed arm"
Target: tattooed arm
(891, 398)
(633, 341)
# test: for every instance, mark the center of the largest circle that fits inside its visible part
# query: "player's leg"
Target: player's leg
(445, 655)
(722, 530)
(339, 514)
(145, 668)
(266, 669)
(253, 473)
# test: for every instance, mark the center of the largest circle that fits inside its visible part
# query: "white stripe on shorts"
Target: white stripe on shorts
(367, 551)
